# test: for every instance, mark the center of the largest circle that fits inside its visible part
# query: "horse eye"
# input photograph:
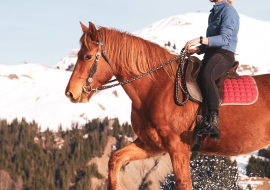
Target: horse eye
(88, 57)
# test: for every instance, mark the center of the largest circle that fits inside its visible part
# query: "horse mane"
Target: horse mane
(132, 54)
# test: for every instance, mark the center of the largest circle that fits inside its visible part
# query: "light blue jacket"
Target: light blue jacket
(223, 27)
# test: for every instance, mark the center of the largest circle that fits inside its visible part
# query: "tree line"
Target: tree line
(258, 167)
(34, 158)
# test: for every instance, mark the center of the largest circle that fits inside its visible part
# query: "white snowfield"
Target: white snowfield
(67, 62)
(37, 93)
(252, 49)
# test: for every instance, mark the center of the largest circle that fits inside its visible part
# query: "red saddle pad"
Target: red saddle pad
(241, 91)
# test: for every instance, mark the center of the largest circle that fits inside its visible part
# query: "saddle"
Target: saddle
(232, 88)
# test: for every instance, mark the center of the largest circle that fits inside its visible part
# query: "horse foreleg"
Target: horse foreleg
(134, 151)
(180, 156)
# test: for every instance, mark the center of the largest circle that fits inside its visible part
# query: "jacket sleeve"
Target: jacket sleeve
(229, 21)
(202, 49)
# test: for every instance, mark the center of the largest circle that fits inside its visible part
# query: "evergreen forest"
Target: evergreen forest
(259, 167)
(35, 161)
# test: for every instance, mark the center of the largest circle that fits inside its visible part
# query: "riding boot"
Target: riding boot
(208, 126)
(200, 133)
(214, 123)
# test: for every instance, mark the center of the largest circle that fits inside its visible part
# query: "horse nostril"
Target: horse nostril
(70, 95)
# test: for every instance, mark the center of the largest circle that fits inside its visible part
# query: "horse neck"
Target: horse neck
(124, 56)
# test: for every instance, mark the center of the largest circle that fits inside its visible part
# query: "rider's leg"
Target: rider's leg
(213, 68)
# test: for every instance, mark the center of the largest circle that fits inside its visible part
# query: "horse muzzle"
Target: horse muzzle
(82, 98)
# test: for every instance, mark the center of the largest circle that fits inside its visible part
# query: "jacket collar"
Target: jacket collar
(218, 6)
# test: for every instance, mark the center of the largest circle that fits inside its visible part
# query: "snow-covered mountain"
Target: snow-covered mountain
(36, 92)
(175, 31)
(68, 63)
(252, 49)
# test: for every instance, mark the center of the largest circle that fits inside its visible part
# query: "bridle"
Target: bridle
(179, 74)
(93, 69)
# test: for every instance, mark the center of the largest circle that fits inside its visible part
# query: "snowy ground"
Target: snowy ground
(256, 183)
(36, 92)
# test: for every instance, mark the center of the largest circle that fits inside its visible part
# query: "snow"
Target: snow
(68, 62)
(130, 139)
(242, 161)
(244, 181)
(253, 37)
(85, 136)
(40, 97)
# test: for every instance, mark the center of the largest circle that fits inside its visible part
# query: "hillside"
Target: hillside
(36, 92)
(68, 63)
(182, 28)
(131, 176)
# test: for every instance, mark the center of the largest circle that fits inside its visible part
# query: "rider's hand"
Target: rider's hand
(193, 50)
(190, 43)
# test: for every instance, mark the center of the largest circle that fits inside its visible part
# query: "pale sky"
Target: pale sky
(45, 31)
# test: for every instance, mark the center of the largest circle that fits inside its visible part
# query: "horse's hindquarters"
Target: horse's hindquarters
(243, 129)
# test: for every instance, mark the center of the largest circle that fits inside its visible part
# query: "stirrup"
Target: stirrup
(200, 133)
(203, 128)
(215, 132)
(197, 142)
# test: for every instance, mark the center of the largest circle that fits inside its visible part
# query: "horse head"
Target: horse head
(76, 89)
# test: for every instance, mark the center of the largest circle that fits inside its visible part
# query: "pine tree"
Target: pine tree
(208, 172)
(249, 187)
(48, 167)
(116, 127)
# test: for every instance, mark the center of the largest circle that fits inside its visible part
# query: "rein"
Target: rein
(177, 80)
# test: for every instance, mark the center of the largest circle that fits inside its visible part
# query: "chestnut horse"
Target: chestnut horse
(162, 126)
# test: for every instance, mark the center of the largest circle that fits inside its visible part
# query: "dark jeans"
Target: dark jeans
(216, 62)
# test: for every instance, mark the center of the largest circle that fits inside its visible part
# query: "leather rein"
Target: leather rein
(179, 73)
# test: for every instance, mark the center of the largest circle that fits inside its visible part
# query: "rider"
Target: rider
(219, 47)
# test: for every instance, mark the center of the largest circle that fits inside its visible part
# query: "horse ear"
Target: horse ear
(84, 28)
(93, 31)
